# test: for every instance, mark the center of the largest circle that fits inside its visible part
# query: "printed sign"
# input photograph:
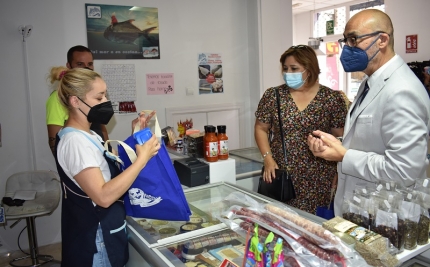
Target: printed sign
(412, 43)
(210, 73)
(160, 84)
(329, 27)
(332, 48)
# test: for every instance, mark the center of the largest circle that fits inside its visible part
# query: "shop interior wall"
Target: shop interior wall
(187, 28)
(408, 17)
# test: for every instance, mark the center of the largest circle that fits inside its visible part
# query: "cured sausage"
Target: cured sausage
(307, 225)
(327, 255)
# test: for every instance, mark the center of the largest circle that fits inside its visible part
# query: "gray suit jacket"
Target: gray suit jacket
(386, 136)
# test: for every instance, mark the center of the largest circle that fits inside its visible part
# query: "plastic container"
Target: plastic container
(211, 145)
(143, 135)
(157, 224)
(222, 142)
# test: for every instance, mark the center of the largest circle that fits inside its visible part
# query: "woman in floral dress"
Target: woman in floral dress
(305, 105)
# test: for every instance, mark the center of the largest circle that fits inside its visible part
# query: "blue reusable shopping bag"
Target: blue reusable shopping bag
(156, 193)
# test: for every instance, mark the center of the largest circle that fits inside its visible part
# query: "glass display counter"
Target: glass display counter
(150, 245)
(199, 243)
(248, 167)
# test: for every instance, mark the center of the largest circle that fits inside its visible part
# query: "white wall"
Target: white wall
(415, 22)
(187, 27)
(244, 32)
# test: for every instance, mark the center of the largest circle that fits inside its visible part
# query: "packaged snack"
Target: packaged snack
(278, 256)
(252, 252)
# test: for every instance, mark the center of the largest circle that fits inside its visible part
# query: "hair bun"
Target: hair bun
(62, 74)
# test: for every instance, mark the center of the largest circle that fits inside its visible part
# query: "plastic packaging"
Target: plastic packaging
(311, 244)
(143, 135)
(222, 142)
(278, 256)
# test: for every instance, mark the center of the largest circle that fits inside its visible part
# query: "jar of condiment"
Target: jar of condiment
(222, 142)
(211, 144)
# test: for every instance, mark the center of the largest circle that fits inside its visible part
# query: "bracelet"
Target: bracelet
(267, 153)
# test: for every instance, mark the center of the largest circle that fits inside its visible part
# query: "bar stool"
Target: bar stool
(46, 191)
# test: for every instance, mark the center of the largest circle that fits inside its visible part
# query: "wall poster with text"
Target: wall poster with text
(122, 32)
(210, 73)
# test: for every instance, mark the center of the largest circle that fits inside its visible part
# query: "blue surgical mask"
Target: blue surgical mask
(355, 59)
(294, 80)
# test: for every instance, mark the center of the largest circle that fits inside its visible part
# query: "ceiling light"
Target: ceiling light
(296, 5)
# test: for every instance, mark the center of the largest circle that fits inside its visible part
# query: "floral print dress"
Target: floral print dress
(311, 176)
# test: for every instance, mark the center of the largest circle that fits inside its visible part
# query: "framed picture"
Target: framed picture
(122, 32)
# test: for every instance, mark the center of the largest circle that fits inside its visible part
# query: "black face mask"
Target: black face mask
(101, 113)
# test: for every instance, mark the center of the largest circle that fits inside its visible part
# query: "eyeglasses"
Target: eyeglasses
(352, 40)
(299, 47)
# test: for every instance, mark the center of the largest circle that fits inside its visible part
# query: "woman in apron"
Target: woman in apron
(93, 223)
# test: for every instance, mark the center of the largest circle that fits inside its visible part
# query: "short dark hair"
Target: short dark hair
(305, 56)
(77, 48)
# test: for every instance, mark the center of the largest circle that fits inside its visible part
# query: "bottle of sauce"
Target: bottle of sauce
(211, 144)
(222, 142)
(204, 140)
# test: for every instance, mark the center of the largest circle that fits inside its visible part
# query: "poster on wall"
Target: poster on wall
(210, 73)
(122, 32)
(121, 86)
(412, 43)
(159, 84)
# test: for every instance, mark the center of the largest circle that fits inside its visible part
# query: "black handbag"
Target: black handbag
(281, 188)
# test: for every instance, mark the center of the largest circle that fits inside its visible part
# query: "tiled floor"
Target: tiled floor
(53, 250)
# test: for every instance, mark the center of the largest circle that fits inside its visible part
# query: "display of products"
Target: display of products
(222, 142)
(337, 242)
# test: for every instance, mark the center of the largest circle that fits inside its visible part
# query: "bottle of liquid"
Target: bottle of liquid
(222, 142)
(204, 140)
(211, 145)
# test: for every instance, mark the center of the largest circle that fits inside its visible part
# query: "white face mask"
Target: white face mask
(294, 80)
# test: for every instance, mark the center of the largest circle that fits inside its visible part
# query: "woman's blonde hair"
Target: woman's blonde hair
(72, 82)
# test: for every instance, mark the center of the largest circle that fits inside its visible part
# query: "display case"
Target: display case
(248, 167)
(149, 247)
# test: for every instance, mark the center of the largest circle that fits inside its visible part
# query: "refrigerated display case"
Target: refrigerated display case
(248, 167)
(150, 248)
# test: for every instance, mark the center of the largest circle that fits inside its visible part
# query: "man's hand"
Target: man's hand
(326, 146)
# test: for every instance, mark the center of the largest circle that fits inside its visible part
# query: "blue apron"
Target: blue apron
(80, 220)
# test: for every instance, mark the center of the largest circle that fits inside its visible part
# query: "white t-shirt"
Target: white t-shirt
(76, 153)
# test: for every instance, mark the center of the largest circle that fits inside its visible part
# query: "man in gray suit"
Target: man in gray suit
(387, 126)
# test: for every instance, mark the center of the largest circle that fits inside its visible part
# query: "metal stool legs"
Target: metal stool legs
(33, 247)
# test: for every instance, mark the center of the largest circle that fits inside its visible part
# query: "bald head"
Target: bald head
(371, 20)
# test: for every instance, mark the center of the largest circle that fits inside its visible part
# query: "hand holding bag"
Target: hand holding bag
(156, 193)
(281, 188)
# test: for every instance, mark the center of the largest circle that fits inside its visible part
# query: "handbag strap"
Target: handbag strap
(280, 126)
